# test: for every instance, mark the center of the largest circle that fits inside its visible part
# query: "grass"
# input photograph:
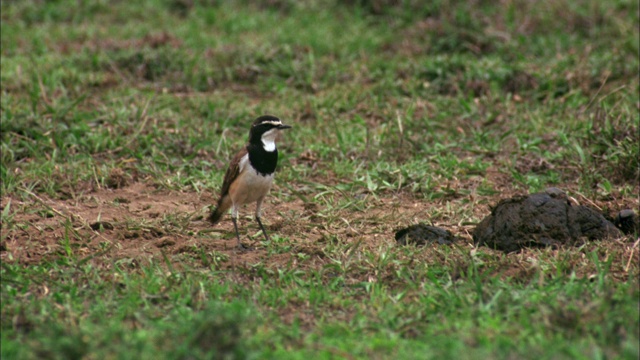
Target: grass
(117, 121)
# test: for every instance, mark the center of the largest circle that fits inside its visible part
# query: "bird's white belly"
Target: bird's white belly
(251, 186)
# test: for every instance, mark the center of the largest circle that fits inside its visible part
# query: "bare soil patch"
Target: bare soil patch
(137, 223)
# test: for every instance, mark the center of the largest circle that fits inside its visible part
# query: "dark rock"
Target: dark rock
(101, 224)
(164, 242)
(539, 220)
(555, 193)
(422, 234)
(627, 222)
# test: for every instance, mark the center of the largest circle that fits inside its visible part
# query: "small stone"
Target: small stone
(626, 214)
(627, 221)
(555, 192)
(421, 234)
(164, 242)
(101, 224)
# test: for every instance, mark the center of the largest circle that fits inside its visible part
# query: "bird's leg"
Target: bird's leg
(234, 218)
(262, 227)
(258, 206)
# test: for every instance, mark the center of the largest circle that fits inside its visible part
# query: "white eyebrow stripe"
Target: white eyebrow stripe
(271, 122)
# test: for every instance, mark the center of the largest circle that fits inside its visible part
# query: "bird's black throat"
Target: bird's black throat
(263, 161)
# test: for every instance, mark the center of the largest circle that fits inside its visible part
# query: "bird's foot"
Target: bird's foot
(243, 248)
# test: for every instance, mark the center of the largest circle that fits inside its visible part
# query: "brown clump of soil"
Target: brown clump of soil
(540, 220)
(116, 179)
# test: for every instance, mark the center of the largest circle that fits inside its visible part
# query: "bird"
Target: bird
(249, 176)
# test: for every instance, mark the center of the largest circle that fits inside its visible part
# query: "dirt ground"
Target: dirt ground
(137, 222)
(142, 221)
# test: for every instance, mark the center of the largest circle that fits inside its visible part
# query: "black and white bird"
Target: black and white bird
(250, 174)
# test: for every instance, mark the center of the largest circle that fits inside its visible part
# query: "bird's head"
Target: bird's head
(265, 129)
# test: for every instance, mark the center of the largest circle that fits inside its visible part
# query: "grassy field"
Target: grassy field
(118, 119)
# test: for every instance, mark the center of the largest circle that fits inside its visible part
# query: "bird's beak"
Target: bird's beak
(283, 126)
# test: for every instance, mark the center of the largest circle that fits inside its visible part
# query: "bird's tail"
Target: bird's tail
(223, 206)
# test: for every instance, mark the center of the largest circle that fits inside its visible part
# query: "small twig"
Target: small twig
(295, 192)
(42, 202)
(144, 118)
(613, 92)
(400, 128)
(223, 137)
(100, 253)
(43, 91)
(115, 69)
(626, 268)
(597, 92)
(590, 202)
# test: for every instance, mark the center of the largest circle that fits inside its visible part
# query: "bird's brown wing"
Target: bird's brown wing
(232, 172)
(224, 202)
